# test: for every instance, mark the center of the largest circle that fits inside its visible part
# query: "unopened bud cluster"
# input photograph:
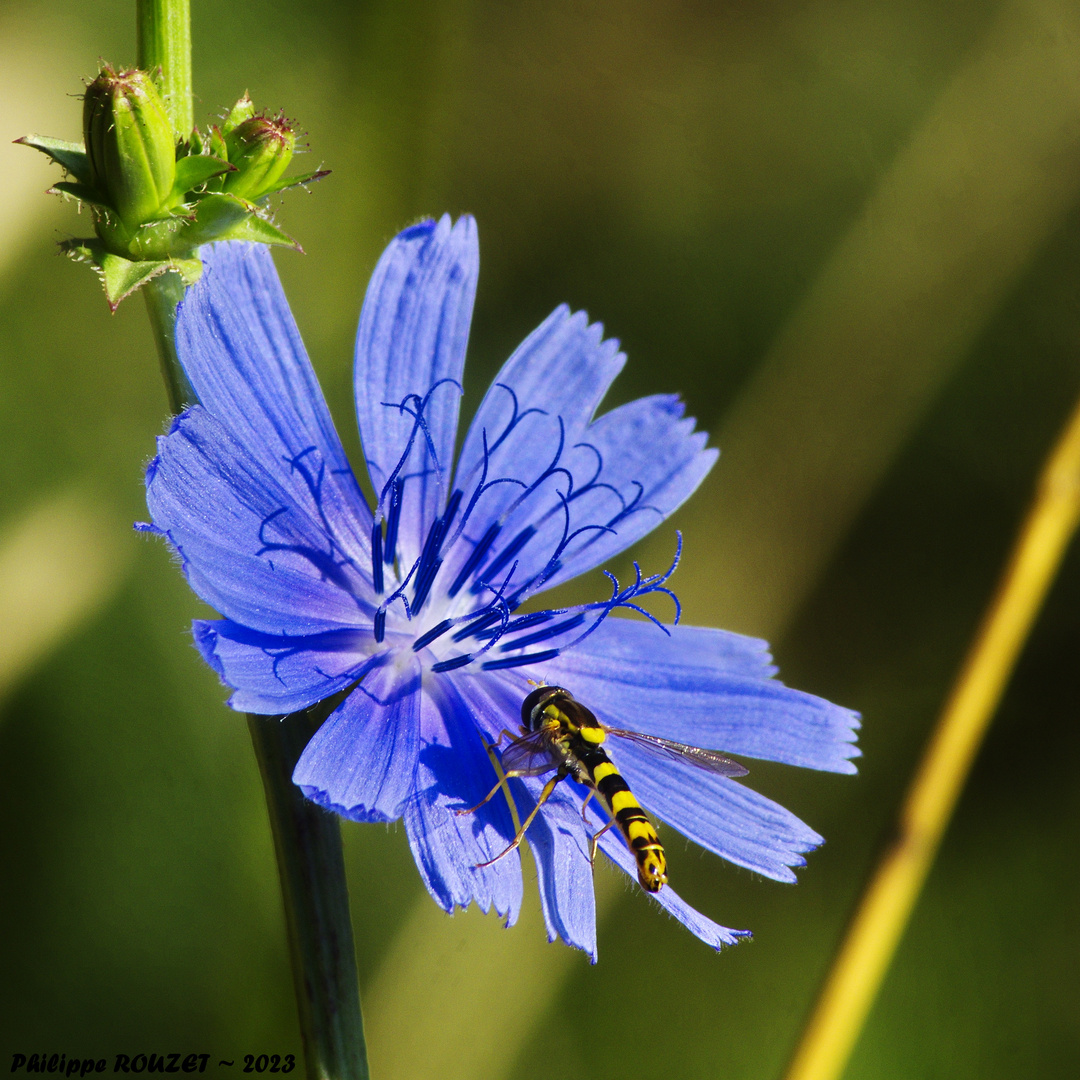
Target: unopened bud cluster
(156, 195)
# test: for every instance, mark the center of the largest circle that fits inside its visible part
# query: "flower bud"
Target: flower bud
(130, 144)
(261, 149)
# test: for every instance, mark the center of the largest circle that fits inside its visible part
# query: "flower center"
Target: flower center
(467, 617)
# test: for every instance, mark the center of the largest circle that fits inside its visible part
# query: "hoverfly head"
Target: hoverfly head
(532, 707)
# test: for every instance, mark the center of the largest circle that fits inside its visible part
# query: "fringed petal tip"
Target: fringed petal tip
(353, 813)
(508, 913)
(592, 953)
(456, 854)
(449, 861)
(845, 725)
(564, 872)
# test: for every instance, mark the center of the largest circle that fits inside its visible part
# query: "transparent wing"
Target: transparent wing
(709, 760)
(529, 756)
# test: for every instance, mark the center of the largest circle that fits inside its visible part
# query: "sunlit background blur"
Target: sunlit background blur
(849, 233)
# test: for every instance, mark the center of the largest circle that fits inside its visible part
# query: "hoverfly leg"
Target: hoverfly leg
(549, 787)
(490, 747)
(483, 802)
(594, 840)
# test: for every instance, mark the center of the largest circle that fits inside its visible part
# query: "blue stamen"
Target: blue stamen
(451, 511)
(622, 598)
(547, 632)
(380, 624)
(517, 661)
(432, 634)
(505, 556)
(474, 559)
(423, 585)
(428, 552)
(477, 625)
(430, 562)
(522, 623)
(456, 662)
(413, 405)
(531, 620)
(376, 558)
(390, 551)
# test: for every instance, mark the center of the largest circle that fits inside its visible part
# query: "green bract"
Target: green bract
(156, 195)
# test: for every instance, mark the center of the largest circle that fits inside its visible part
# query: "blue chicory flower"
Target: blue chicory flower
(413, 605)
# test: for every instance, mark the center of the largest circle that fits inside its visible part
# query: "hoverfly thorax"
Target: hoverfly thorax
(555, 710)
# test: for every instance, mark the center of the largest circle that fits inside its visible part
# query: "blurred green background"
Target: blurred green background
(849, 233)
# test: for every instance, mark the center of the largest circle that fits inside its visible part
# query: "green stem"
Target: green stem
(162, 295)
(163, 33)
(308, 844)
(307, 839)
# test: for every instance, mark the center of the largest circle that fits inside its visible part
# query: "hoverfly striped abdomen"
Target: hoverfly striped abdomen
(628, 815)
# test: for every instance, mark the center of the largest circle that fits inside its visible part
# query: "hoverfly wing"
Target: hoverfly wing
(709, 760)
(528, 756)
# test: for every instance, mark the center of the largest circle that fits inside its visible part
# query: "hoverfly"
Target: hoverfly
(560, 733)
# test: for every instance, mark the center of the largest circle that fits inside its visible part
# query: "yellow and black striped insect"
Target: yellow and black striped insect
(560, 733)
